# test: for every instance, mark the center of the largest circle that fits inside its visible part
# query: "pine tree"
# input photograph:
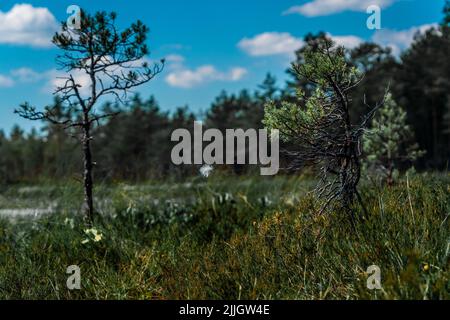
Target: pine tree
(389, 143)
(446, 21)
(115, 63)
(319, 126)
(268, 88)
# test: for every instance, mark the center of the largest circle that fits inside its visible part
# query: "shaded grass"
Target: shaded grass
(232, 238)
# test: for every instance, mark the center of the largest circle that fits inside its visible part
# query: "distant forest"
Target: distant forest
(135, 145)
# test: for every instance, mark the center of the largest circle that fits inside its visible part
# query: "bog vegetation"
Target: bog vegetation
(162, 231)
(228, 238)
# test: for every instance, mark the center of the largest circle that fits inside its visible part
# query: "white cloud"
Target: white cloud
(50, 79)
(271, 43)
(181, 76)
(56, 78)
(399, 40)
(174, 62)
(6, 82)
(349, 42)
(175, 58)
(26, 75)
(326, 7)
(27, 25)
(237, 73)
(187, 78)
(277, 43)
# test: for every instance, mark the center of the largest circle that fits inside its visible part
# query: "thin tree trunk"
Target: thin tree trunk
(88, 181)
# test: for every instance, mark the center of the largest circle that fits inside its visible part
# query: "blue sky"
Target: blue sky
(209, 45)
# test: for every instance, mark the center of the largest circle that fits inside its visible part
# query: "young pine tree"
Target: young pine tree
(389, 142)
(319, 127)
(100, 62)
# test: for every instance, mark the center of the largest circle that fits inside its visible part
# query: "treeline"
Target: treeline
(135, 145)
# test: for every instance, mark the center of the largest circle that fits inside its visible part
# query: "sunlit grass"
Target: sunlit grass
(227, 238)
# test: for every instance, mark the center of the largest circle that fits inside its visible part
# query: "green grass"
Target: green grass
(227, 238)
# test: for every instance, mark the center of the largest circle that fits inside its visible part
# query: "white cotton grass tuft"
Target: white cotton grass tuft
(206, 170)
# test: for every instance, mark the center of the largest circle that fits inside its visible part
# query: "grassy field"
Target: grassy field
(225, 238)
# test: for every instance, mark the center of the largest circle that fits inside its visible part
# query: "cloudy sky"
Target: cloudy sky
(209, 45)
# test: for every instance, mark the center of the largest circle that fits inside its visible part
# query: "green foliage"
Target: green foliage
(306, 115)
(422, 85)
(293, 120)
(379, 67)
(446, 20)
(319, 125)
(228, 238)
(269, 89)
(129, 44)
(312, 42)
(389, 143)
(243, 110)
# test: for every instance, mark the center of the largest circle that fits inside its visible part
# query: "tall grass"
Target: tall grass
(230, 238)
